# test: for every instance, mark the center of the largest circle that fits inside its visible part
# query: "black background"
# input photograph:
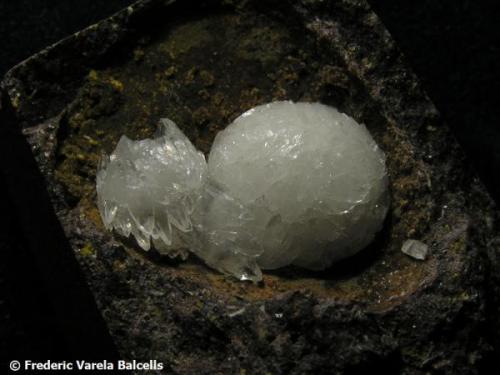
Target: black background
(452, 45)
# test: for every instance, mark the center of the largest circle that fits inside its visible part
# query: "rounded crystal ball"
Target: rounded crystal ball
(312, 180)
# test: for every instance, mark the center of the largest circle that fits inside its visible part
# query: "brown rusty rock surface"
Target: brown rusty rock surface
(202, 64)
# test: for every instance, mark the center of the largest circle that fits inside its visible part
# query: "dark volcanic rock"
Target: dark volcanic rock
(202, 64)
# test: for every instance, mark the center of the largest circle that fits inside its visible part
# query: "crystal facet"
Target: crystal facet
(416, 249)
(148, 188)
(286, 183)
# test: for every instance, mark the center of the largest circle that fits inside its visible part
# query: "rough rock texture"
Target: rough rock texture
(205, 63)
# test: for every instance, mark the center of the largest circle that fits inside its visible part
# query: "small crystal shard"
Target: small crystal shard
(415, 249)
(286, 183)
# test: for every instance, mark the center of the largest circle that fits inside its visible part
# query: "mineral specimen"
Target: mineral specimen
(415, 249)
(148, 188)
(286, 183)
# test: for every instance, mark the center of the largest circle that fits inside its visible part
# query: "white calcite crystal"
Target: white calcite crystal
(415, 249)
(149, 188)
(286, 183)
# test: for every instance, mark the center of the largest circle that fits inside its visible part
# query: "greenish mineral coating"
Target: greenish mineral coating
(202, 64)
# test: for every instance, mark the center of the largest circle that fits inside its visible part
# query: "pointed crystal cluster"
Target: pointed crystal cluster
(285, 183)
(149, 188)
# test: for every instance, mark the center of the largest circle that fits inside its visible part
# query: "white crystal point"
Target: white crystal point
(148, 188)
(313, 180)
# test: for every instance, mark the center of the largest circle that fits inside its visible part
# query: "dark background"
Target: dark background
(452, 45)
